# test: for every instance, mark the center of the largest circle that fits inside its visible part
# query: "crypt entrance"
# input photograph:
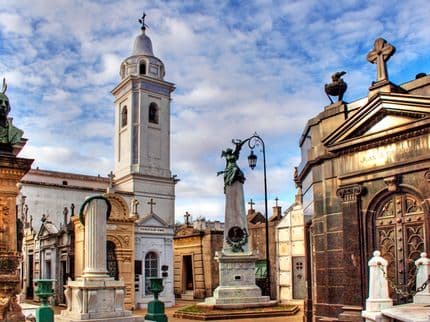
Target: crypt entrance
(398, 230)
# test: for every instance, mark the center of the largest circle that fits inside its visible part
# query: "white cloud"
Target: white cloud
(257, 68)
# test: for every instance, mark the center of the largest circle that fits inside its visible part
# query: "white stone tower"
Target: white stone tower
(142, 130)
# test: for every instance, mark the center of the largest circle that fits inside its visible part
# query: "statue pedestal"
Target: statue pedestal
(95, 299)
(237, 288)
(12, 169)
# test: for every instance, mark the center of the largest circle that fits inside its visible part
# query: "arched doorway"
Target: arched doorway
(112, 263)
(399, 233)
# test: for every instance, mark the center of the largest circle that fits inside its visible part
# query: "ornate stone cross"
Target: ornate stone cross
(251, 204)
(187, 218)
(381, 53)
(151, 203)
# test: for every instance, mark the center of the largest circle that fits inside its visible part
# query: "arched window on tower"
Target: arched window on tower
(153, 113)
(124, 116)
(142, 68)
(151, 269)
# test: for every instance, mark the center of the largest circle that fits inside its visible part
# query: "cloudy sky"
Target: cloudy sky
(239, 67)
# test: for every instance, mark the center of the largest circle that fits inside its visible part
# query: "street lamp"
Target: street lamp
(252, 141)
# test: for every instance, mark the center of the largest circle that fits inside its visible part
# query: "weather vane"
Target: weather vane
(142, 21)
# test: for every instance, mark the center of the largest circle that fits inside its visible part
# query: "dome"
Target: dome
(142, 45)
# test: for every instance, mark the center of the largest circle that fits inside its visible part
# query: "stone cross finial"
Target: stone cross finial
(251, 204)
(187, 218)
(111, 176)
(151, 203)
(381, 53)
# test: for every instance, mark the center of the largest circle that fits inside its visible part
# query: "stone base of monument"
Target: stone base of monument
(237, 288)
(95, 299)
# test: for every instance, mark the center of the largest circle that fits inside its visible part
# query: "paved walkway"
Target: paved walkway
(180, 303)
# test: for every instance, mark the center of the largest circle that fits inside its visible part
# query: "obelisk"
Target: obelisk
(237, 288)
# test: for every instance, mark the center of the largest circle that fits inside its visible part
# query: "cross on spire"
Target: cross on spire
(251, 203)
(142, 21)
(380, 54)
(276, 201)
(151, 203)
(187, 218)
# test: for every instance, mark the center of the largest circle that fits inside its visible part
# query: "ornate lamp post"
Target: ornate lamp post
(253, 141)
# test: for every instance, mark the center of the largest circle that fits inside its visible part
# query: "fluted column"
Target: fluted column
(95, 238)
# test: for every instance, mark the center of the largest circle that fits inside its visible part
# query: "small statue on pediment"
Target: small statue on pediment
(9, 134)
(337, 87)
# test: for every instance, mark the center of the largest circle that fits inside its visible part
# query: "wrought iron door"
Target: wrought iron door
(400, 236)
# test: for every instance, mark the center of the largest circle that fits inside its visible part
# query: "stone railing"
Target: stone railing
(379, 302)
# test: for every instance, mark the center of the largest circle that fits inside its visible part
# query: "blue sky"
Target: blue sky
(239, 67)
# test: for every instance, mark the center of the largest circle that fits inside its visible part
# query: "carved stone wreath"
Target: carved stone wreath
(237, 238)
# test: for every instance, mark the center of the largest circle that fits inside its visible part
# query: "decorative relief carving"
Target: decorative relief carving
(349, 193)
(392, 182)
(427, 175)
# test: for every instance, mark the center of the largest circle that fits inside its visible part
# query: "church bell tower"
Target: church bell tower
(142, 129)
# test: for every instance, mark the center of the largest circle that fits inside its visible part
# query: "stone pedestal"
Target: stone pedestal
(95, 296)
(12, 169)
(237, 288)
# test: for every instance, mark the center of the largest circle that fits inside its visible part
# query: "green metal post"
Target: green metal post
(44, 313)
(156, 307)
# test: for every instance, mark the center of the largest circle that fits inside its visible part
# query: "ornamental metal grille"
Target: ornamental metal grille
(400, 237)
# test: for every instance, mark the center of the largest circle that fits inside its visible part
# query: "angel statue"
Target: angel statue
(232, 172)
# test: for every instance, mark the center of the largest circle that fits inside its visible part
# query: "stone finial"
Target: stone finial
(134, 204)
(337, 87)
(379, 55)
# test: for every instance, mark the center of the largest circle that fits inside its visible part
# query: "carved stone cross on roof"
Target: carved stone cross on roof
(381, 53)
(111, 176)
(151, 203)
(251, 203)
(187, 218)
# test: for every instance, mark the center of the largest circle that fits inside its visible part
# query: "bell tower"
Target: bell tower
(142, 128)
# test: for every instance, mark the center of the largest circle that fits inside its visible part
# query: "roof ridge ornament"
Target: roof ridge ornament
(379, 55)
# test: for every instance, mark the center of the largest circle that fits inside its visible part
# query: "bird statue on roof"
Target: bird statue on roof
(337, 87)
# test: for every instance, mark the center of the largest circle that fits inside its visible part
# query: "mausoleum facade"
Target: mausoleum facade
(365, 180)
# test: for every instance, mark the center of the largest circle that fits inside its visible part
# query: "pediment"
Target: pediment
(47, 229)
(151, 220)
(186, 231)
(382, 116)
